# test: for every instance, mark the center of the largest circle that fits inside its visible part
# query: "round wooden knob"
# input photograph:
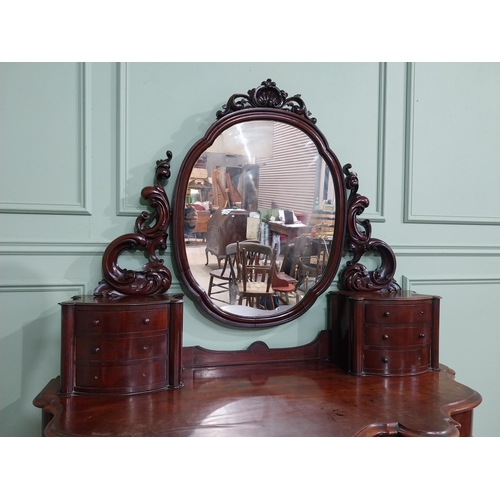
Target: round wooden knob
(95, 322)
(385, 360)
(387, 313)
(421, 336)
(146, 321)
(385, 336)
(421, 313)
(146, 347)
(95, 350)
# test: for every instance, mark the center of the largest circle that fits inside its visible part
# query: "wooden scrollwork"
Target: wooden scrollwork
(358, 240)
(266, 95)
(151, 235)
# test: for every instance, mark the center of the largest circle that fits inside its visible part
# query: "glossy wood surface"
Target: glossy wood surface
(122, 344)
(387, 334)
(270, 392)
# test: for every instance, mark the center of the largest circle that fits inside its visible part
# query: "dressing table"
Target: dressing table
(373, 371)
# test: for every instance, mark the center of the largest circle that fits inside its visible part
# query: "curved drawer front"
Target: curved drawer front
(100, 377)
(94, 348)
(396, 362)
(98, 321)
(394, 314)
(400, 336)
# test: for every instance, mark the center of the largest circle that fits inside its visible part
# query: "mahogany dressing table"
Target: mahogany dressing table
(374, 370)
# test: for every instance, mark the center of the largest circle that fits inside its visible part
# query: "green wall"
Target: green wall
(79, 141)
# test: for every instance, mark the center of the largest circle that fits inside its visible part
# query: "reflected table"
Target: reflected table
(291, 231)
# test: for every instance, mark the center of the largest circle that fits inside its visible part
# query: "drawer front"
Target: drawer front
(95, 348)
(397, 336)
(98, 321)
(398, 314)
(97, 377)
(396, 362)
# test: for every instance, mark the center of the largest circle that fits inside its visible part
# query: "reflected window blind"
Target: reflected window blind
(288, 179)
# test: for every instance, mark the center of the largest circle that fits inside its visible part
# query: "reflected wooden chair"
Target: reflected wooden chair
(293, 253)
(312, 266)
(283, 285)
(222, 280)
(256, 266)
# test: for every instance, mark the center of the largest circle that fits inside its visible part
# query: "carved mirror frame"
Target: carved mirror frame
(265, 102)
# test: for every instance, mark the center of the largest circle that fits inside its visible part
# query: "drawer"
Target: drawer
(396, 361)
(99, 321)
(124, 378)
(398, 314)
(397, 336)
(94, 348)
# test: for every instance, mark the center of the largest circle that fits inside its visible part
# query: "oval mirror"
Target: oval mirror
(259, 212)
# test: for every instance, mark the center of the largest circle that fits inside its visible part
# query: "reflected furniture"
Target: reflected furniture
(323, 222)
(222, 279)
(291, 231)
(270, 392)
(201, 227)
(283, 285)
(256, 268)
(223, 228)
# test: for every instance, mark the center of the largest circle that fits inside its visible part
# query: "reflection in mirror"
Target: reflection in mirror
(260, 182)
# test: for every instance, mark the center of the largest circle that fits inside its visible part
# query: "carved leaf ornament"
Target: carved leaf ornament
(355, 276)
(151, 235)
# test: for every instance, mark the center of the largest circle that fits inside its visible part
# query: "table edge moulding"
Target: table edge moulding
(270, 392)
(374, 371)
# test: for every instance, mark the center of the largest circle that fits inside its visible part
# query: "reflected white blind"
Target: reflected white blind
(288, 179)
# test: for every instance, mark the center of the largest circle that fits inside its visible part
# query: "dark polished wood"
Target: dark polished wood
(151, 237)
(380, 333)
(121, 345)
(270, 392)
(355, 276)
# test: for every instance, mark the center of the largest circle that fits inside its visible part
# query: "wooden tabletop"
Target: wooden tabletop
(299, 398)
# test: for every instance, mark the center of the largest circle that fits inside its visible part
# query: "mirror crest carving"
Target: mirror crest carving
(266, 95)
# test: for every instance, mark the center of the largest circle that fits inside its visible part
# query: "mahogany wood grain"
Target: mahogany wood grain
(310, 397)
(121, 344)
(381, 333)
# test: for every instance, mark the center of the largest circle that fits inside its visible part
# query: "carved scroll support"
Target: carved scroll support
(358, 240)
(150, 236)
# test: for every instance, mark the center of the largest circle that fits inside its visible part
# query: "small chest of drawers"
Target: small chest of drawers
(384, 334)
(123, 345)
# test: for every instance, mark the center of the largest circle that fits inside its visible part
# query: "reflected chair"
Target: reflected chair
(312, 266)
(222, 280)
(293, 253)
(256, 266)
(283, 285)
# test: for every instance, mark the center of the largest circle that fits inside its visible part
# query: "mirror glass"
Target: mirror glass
(265, 182)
